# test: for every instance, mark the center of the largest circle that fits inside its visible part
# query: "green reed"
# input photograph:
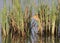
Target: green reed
(21, 20)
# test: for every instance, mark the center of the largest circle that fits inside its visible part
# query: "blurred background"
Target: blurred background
(19, 18)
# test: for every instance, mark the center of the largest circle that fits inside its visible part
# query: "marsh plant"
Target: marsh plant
(16, 23)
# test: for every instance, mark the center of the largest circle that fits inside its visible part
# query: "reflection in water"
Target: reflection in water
(50, 39)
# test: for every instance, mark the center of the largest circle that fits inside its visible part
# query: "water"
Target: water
(51, 39)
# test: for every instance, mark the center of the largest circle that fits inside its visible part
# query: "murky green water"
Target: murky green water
(51, 39)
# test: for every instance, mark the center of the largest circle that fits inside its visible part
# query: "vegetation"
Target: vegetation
(16, 24)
